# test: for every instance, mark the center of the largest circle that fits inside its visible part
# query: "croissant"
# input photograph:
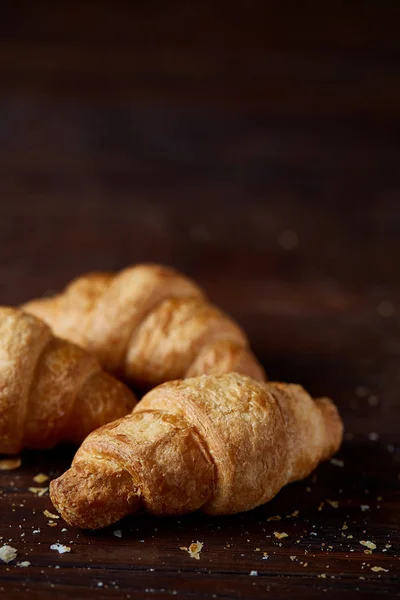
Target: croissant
(148, 324)
(50, 390)
(223, 444)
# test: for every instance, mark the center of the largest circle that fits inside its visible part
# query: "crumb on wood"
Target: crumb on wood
(24, 564)
(336, 462)
(50, 515)
(275, 518)
(368, 544)
(194, 549)
(38, 491)
(379, 569)
(40, 478)
(8, 553)
(60, 548)
(280, 535)
(333, 503)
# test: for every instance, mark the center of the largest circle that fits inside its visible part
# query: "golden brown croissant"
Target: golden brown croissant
(223, 444)
(50, 390)
(148, 324)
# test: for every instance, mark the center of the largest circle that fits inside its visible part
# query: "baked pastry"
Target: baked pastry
(222, 444)
(50, 390)
(148, 324)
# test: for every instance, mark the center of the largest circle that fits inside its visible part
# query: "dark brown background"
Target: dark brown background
(199, 136)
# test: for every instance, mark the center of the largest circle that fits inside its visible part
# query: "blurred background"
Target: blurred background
(253, 145)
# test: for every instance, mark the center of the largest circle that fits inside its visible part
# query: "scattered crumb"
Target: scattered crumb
(253, 573)
(344, 526)
(295, 513)
(64, 529)
(275, 518)
(373, 436)
(305, 564)
(9, 464)
(364, 507)
(24, 563)
(349, 537)
(368, 544)
(50, 515)
(118, 533)
(7, 553)
(61, 549)
(321, 506)
(40, 478)
(194, 549)
(38, 491)
(379, 569)
(51, 523)
(336, 462)
(333, 503)
(258, 549)
(265, 556)
(367, 551)
(293, 557)
(36, 531)
(388, 545)
(279, 535)
(322, 575)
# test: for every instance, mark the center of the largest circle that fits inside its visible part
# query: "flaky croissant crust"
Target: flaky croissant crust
(50, 389)
(148, 324)
(222, 444)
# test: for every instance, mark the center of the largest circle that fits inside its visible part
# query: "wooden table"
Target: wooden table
(257, 149)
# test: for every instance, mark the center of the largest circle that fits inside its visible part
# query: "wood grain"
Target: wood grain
(256, 148)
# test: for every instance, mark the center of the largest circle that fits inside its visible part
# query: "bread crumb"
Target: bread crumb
(118, 533)
(253, 573)
(64, 529)
(388, 545)
(344, 526)
(38, 491)
(258, 549)
(275, 518)
(336, 462)
(379, 569)
(60, 548)
(7, 553)
(293, 557)
(265, 556)
(364, 507)
(194, 549)
(51, 523)
(9, 464)
(333, 503)
(367, 551)
(40, 478)
(321, 506)
(279, 535)
(24, 563)
(50, 515)
(322, 575)
(368, 544)
(36, 531)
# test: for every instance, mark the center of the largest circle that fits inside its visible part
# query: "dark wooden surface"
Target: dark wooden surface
(256, 147)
